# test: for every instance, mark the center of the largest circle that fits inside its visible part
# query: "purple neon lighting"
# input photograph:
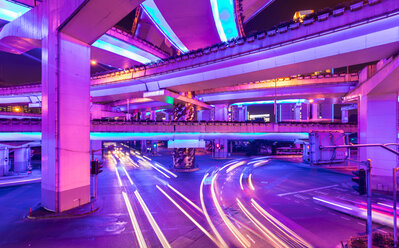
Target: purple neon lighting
(151, 9)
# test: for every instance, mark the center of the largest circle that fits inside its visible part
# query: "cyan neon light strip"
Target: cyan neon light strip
(223, 14)
(114, 45)
(19, 136)
(270, 102)
(155, 15)
(10, 11)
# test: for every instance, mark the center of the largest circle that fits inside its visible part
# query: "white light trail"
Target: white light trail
(237, 234)
(135, 224)
(189, 216)
(208, 218)
(152, 221)
(278, 224)
(268, 234)
(185, 198)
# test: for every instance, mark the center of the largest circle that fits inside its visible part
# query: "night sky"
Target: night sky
(283, 10)
(279, 11)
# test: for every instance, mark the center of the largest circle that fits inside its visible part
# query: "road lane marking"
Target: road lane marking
(362, 224)
(345, 218)
(307, 190)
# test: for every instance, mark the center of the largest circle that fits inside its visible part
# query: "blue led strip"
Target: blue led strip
(151, 9)
(223, 14)
(124, 49)
(270, 102)
(19, 136)
(10, 11)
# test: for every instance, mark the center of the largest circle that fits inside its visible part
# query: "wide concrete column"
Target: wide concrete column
(184, 158)
(95, 149)
(21, 159)
(298, 111)
(327, 109)
(221, 112)
(315, 111)
(378, 124)
(153, 115)
(4, 161)
(221, 148)
(242, 113)
(65, 115)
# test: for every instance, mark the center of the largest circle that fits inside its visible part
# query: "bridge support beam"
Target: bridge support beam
(184, 158)
(21, 159)
(221, 112)
(378, 123)
(4, 161)
(66, 115)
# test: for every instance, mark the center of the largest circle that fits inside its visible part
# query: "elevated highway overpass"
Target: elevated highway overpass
(361, 36)
(30, 128)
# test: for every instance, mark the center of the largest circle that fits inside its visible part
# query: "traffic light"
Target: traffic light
(93, 167)
(360, 180)
(99, 167)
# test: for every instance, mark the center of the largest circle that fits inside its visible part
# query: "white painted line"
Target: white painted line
(253, 241)
(307, 190)
(344, 218)
(382, 231)
(362, 224)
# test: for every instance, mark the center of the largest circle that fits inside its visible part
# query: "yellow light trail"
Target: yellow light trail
(237, 234)
(160, 171)
(208, 218)
(166, 170)
(189, 216)
(271, 219)
(234, 166)
(241, 185)
(152, 221)
(268, 234)
(135, 224)
(130, 180)
(185, 198)
(117, 175)
(251, 185)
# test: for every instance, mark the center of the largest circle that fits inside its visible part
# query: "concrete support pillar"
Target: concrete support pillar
(221, 148)
(315, 111)
(221, 112)
(326, 109)
(143, 145)
(184, 158)
(344, 115)
(4, 161)
(65, 115)
(200, 115)
(153, 115)
(298, 111)
(95, 149)
(378, 124)
(242, 113)
(21, 159)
